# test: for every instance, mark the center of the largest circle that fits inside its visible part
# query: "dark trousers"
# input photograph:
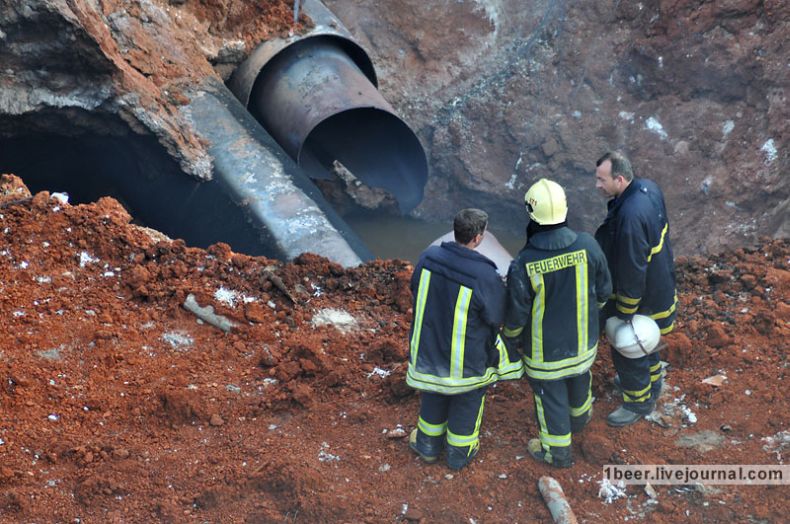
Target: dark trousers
(562, 407)
(641, 380)
(454, 418)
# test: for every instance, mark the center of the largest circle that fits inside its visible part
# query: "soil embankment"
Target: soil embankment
(117, 405)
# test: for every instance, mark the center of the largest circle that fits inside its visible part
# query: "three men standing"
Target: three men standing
(561, 288)
(635, 239)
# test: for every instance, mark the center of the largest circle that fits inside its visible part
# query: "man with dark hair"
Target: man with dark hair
(556, 285)
(455, 349)
(635, 238)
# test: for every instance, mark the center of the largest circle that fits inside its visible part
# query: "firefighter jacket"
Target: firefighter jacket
(459, 303)
(556, 285)
(635, 239)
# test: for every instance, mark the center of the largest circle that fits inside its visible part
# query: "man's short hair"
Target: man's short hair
(469, 223)
(620, 164)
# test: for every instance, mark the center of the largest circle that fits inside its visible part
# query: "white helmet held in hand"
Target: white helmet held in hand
(635, 339)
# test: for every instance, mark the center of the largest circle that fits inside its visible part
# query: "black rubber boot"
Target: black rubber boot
(459, 458)
(623, 417)
(427, 448)
(558, 457)
(579, 423)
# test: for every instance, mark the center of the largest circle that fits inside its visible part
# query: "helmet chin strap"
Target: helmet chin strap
(636, 337)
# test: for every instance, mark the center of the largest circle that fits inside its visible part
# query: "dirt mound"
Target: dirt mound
(119, 405)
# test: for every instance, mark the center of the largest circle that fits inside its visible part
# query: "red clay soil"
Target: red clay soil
(119, 406)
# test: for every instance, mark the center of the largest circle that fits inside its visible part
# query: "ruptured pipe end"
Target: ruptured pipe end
(316, 95)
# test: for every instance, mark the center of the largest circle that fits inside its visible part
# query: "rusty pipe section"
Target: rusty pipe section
(285, 213)
(316, 95)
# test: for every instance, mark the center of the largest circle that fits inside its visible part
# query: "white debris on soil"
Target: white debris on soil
(584, 477)
(63, 198)
(226, 296)
(653, 125)
(777, 443)
(384, 468)
(611, 492)
(341, 320)
(627, 116)
(53, 417)
(769, 148)
(325, 456)
(383, 373)
(177, 339)
(727, 128)
(44, 280)
(675, 409)
(86, 258)
(688, 415)
(397, 432)
(317, 291)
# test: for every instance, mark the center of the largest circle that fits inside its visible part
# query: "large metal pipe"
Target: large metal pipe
(282, 204)
(316, 94)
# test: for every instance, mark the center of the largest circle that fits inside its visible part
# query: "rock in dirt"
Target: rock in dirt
(597, 449)
(413, 515)
(702, 441)
(339, 319)
(12, 189)
(207, 314)
(715, 380)
(396, 433)
(556, 501)
(254, 312)
(120, 453)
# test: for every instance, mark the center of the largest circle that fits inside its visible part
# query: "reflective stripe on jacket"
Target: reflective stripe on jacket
(556, 285)
(635, 239)
(458, 309)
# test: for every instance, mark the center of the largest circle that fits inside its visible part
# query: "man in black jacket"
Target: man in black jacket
(635, 239)
(455, 350)
(556, 285)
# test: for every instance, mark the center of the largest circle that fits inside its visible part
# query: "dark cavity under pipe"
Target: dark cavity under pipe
(316, 95)
(259, 201)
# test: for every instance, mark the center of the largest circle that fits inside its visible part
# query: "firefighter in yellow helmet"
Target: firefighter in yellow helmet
(556, 286)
